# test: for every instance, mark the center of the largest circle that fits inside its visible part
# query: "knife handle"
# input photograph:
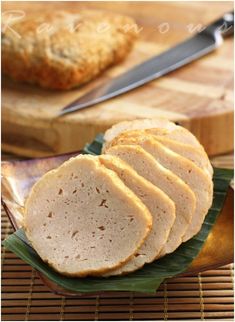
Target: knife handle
(224, 25)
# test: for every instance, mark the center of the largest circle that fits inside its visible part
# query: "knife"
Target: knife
(191, 49)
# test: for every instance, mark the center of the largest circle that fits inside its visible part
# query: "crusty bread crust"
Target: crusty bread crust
(78, 47)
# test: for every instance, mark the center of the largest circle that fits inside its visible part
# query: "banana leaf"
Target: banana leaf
(147, 279)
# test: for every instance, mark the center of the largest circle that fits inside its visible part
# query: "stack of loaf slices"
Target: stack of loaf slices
(108, 215)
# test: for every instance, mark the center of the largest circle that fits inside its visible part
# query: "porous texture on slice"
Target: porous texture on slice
(160, 206)
(138, 124)
(63, 49)
(195, 155)
(184, 137)
(176, 189)
(159, 126)
(83, 220)
(188, 151)
(200, 183)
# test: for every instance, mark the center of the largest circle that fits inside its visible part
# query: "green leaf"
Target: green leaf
(94, 147)
(150, 276)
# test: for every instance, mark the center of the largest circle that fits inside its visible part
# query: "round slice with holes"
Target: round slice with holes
(197, 156)
(83, 220)
(200, 183)
(177, 142)
(176, 189)
(161, 126)
(161, 207)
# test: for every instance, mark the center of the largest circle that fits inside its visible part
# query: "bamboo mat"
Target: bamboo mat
(206, 296)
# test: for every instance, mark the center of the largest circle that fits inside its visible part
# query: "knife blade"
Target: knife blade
(189, 50)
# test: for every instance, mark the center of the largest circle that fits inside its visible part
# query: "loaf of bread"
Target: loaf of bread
(160, 206)
(83, 220)
(62, 50)
(178, 191)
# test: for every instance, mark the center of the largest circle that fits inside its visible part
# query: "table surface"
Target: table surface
(205, 296)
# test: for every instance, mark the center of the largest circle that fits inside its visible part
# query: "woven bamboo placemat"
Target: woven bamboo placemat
(206, 296)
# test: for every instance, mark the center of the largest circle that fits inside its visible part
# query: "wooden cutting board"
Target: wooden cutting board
(198, 96)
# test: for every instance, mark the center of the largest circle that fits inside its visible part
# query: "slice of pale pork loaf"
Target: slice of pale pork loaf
(161, 127)
(160, 206)
(195, 155)
(178, 191)
(190, 152)
(83, 220)
(177, 142)
(200, 183)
